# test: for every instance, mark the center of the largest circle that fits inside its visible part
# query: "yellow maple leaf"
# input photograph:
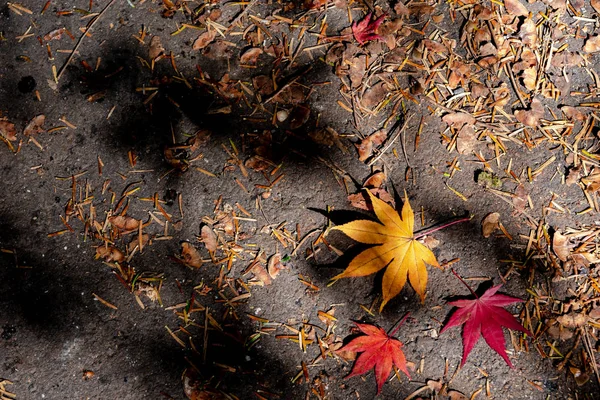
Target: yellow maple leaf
(397, 249)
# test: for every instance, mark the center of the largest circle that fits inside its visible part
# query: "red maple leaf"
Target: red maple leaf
(364, 30)
(379, 351)
(484, 316)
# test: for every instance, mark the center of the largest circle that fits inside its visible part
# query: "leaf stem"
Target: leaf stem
(399, 324)
(465, 283)
(435, 228)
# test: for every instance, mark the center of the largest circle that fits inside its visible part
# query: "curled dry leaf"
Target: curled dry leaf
(298, 116)
(456, 395)
(466, 139)
(109, 254)
(250, 56)
(35, 126)
(490, 224)
(124, 222)
(359, 200)
(261, 276)
(592, 44)
(572, 320)
(208, 237)
(204, 39)
(528, 33)
(458, 119)
(515, 7)
(365, 147)
(54, 35)
(374, 95)
(156, 48)
(532, 116)
(375, 180)
(560, 245)
(7, 129)
(190, 255)
(274, 265)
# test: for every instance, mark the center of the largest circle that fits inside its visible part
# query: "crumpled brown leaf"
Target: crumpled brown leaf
(208, 237)
(250, 56)
(204, 39)
(515, 7)
(7, 130)
(156, 48)
(532, 116)
(35, 126)
(490, 224)
(124, 222)
(190, 255)
(560, 245)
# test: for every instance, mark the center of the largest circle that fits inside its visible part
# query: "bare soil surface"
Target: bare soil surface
(180, 136)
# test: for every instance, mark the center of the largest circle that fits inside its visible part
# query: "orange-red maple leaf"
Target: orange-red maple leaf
(364, 30)
(484, 316)
(378, 350)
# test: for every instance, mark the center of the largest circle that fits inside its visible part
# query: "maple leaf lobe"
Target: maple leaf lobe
(379, 351)
(485, 316)
(365, 30)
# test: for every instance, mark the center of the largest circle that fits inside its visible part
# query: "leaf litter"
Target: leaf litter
(501, 92)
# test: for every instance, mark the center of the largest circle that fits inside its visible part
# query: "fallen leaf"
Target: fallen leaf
(250, 56)
(592, 44)
(572, 320)
(374, 95)
(532, 116)
(375, 180)
(378, 351)
(484, 316)
(458, 119)
(560, 246)
(204, 39)
(595, 5)
(190, 255)
(156, 48)
(208, 237)
(397, 251)
(54, 35)
(359, 200)
(109, 254)
(7, 129)
(466, 139)
(515, 7)
(35, 126)
(456, 395)
(365, 30)
(124, 222)
(490, 224)
(274, 265)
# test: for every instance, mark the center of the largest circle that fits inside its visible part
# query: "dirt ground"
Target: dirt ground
(156, 132)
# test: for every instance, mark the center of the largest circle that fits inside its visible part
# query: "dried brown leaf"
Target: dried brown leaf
(204, 39)
(109, 254)
(250, 56)
(515, 7)
(35, 126)
(124, 223)
(208, 237)
(156, 48)
(274, 265)
(592, 44)
(560, 245)
(190, 255)
(7, 129)
(572, 320)
(490, 224)
(532, 116)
